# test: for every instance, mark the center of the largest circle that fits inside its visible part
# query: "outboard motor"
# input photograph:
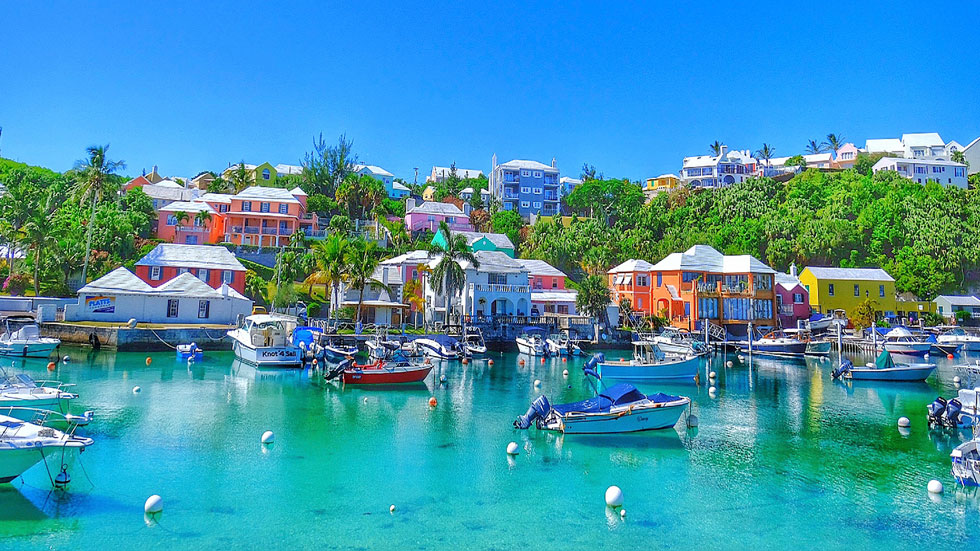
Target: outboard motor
(845, 366)
(951, 417)
(594, 361)
(936, 410)
(539, 408)
(336, 371)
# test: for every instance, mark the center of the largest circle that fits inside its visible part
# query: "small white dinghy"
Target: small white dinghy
(20, 390)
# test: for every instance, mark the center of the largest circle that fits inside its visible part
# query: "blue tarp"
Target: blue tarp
(621, 394)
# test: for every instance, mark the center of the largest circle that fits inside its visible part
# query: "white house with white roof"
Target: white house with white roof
(548, 292)
(716, 171)
(441, 173)
(890, 146)
(971, 153)
(498, 287)
(923, 170)
(120, 296)
(948, 305)
(428, 215)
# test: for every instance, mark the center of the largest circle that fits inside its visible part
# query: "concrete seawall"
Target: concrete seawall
(139, 339)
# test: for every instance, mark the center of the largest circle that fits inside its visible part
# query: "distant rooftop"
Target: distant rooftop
(267, 194)
(191, 256)
(857, 274)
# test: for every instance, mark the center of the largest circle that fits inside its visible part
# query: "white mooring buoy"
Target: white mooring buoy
(153, 505)
(956, 380)
(268, 437)
(564, 373)
(614, 496)
(935, 487)
(137, 389)
(622, 513)
(729, 363)
(712, 375)
(537, 383)
(391, 509)
(442, 378)
(512, 449)
(904, 422)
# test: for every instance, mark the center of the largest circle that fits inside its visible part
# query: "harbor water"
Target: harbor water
(783, 457)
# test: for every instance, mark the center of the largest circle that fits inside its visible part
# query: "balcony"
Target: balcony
(269, 231)
(246, 229)
(193, 229)
(511, 195)
(433, 226)
(315, 234)
(499, 288)
(786, 310)
(550, 196)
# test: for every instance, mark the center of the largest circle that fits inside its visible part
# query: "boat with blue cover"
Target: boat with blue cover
(616, 409)
(884, 369)
(190, 352)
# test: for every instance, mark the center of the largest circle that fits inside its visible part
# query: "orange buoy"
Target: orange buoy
(428, 361)
(489, 362)
(465, 361)
(521, 362)
(564, 359)
(949, 356)
(542, 360)
(314, 362)
(51, 366)
(433, 402)
(149, 360)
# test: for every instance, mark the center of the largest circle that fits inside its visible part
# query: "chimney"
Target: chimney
(409, 204)
(724, 150)
(554, 162)
(792, 269)
(467, 208)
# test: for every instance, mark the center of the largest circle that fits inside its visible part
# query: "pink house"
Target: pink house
(428, 215)
(846, 156)
(792, 299)
(548, 292)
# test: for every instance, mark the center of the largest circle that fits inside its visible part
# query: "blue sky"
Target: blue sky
(628, 87)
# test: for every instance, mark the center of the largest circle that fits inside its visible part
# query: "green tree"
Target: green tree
(766, 153)
(256, 288)
(181, 217)
(95, 182)
(240, 177)
(325, 167)
(330, 257)
(38, 235)
(958, 157)
(361, 260)
(864, 314)
(448, 275)
(593, 298)
(715, 147)
(202, 218)
(509, 223)
(796, 160)
(813, 147)
(834, 141)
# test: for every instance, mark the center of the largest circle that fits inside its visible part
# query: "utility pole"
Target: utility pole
(416, 176)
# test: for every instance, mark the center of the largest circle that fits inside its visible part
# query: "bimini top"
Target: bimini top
(616, 395)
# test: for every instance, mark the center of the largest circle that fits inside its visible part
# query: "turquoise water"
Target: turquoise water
(783, 456)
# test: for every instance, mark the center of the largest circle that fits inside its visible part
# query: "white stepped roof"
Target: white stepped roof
(553, 296)
(703, 258)
(176, 255)
(118, 281)
(924, 139)
(494, 262)
(960, 300)
(435, 207)
(413, 257)
(540, 267)
(498, 239)
(189, 207)
(632, 265)
(465, 173)
(186, 285)
(288, 169)
(216, 198)
(373, 169)
(267, 194)
(886, 145)
(527, 165)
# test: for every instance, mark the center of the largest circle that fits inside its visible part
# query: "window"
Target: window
(830, 289)
(283, 208)
(639, 302)
(525, 173)
(642, 280)
(247, 206)
(222, 208)
(525, 204)
(431, 218)
(537, 174)
(202, 274)
(155, 273)
(172, 308)
(938, 169)
(537, 204)
(525, 189)
(203, 309)
(688, 277)
(537, 191)
(920, 170)
(797, 298)
(266, 174)
(190, 240)
(227, 276)
(958, 172)
(660, 279)
(857, 290)
(182, 271)
(171, 220)
(264, 207)
(881, 291)
(497, 279)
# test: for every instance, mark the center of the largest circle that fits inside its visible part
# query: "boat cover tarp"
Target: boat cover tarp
(621, 394)
(884, 361)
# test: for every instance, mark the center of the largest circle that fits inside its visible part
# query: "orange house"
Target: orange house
(700, 284)
(267, 216)
(195, 229)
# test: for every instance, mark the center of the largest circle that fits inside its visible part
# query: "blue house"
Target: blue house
(528, 187)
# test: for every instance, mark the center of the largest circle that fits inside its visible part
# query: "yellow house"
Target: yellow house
(845, 288)
(260, 175)
(660, 184)
(429, 193)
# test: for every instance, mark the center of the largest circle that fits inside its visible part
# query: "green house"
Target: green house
(478, 241)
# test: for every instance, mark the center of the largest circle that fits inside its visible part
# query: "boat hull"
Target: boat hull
(282, 357)
(818, 348)
(655, 418)
(780, 349)
(530, 348)
(50, 402)
(910, 348)
(910, 373)
(682, 371)
(380, 376)
(28, 349)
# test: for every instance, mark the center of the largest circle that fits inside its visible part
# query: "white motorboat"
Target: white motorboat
(672, 341)
(22, 337)
(20, 390)
(560, 344)
(965, 460)
(24, 444)
(901, 341)
(441, 347)
(616, 409)
(958, 336)
(532, 342)
(648, 364)
(961, 412)
(473, 343)
(885, 369)
(777, 343)
(263, 340)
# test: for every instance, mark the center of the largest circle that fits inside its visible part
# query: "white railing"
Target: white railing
(499, 288)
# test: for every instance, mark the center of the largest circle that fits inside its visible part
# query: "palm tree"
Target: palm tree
(330, 258)
(414, 291)
(39, 233)
(361, 262)
(716, 147)
(835, 141)
(448, 275)
(813, 147)
(240, 177)
(95, 181)
(181, 217)
(766, 152)
(958, 157)
(201, 218)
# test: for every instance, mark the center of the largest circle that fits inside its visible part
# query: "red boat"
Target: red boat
(382, 372)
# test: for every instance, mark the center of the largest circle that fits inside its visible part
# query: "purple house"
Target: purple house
(428, 215)
(792, 299)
